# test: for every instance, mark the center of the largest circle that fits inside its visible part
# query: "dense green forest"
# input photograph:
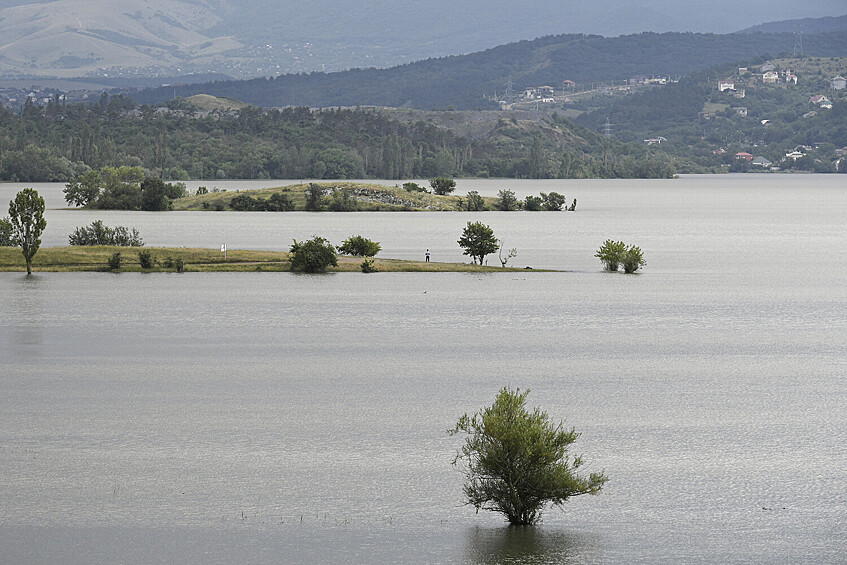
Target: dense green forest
(179, 141)
(770, 121)
(464, 81)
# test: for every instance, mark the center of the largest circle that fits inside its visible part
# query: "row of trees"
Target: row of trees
(122, 188)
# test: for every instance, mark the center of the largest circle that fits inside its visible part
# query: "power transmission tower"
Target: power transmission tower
(510, 90)
(798, 44)
(607, 128)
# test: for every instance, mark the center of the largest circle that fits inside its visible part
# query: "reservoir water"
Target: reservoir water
(275, 417)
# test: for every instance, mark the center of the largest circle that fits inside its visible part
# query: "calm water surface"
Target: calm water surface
(273, 417)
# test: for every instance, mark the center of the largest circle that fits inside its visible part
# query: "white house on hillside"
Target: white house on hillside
(838, 83)
(725, 85)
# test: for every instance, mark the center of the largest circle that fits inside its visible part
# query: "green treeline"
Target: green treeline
(181, 142)
(461, 81)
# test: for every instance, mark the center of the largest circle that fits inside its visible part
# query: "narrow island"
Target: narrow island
(128, 188)
(172, 259)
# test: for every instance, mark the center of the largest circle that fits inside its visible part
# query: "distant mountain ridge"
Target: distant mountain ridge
(805, 25)
(249, 38)
(461, 81)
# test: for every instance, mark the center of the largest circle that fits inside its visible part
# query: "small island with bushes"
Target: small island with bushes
(127, 188)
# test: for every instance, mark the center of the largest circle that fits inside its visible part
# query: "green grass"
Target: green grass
(81, 258)
(367, 197)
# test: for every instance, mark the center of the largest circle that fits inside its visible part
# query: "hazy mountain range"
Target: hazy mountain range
(245, 38)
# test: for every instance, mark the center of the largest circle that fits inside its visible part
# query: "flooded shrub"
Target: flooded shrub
(632, 259)
(516, 461)
(611, 253)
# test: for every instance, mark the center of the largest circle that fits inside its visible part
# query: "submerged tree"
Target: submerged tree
(26, 213)
(633, 259)
(611, 253)
(517, 461)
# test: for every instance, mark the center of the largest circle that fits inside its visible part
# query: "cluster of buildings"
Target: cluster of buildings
(16, 98)
(797, 153)
(770, 74)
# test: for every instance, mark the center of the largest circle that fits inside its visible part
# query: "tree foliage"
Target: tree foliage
(611, 253)
(177, 141)
(314, 197)
(122, 188)
(516, 461)
(632, 259)
(614, 253)
(507, 201)
(6, 233)
(478, 241)
(26, 214)
(552, 202)
(359, 246)
(474, 202)
(114, 261)
(442, 185)
(98, 234)
(313, 255)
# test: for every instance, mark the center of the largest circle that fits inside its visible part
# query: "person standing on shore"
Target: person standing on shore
(427, 255)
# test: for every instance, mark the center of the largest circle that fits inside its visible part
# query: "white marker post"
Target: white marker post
(223, 249)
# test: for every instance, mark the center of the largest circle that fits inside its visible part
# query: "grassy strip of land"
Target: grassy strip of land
(356, 197)
(166, 259)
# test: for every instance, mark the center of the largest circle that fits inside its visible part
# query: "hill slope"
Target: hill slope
(463, 81)
(706, 126)
(68, 38)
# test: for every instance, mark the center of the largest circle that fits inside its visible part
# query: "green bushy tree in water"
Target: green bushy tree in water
(478, 241)
(26, 214)
(359, 246)
(516, 461)
(313, 255)
(615, 253)
(632, 259)
(611, 253)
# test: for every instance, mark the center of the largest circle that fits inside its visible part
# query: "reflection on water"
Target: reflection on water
(26, 337)
(530, 545)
